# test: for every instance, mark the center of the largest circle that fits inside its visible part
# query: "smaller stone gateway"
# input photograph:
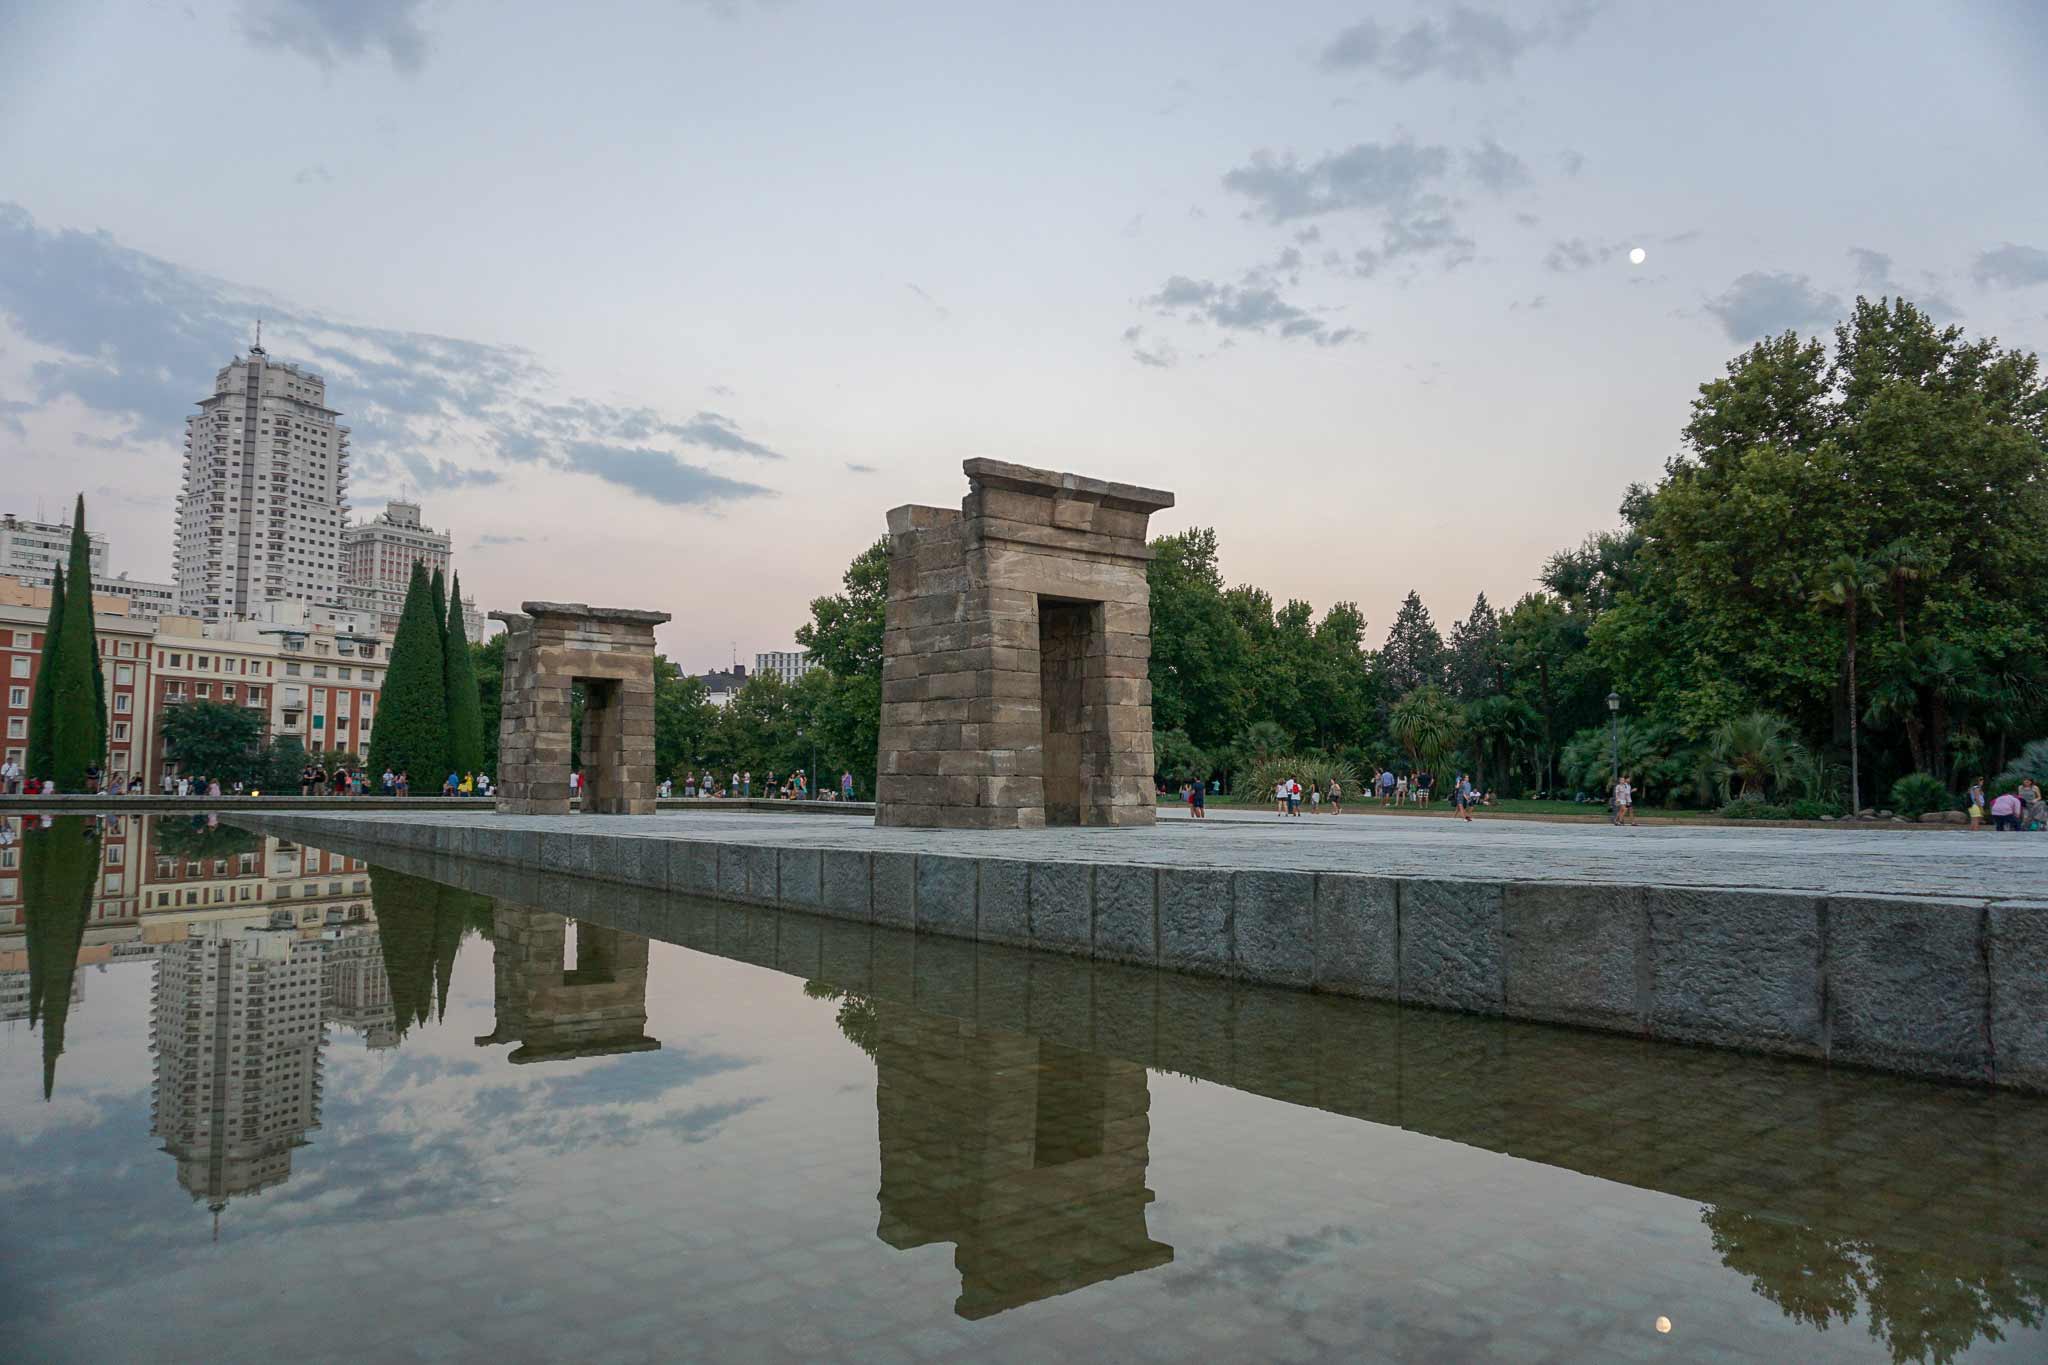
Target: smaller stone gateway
(1016, 658)
(549, 648)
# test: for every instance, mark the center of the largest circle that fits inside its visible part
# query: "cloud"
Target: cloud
(1366, 175)
(2011, 267)
(137, 340)
(1250, 308)
(1873, 269)
(1466, 44)
(853, 468)
(656, 474)
(482, 541)
(936, 306)
(1576, 253)
(1158, 354)
(330, 32)
(311, 174)
(1571, 162)
(1759, 304)
(1495, 167)
(1417, 234)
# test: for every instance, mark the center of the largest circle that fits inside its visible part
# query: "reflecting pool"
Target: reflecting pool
(263, 1101)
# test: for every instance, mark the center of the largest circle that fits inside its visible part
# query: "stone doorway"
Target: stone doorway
(550, 648)
(1069, 640)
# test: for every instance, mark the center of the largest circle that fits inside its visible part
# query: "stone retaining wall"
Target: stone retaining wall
(1950, 989)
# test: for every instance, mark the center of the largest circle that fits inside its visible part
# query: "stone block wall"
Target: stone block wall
(1016, 656)
(551, 647)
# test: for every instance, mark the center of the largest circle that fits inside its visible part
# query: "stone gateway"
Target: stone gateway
(609, 651)
(1016, 658)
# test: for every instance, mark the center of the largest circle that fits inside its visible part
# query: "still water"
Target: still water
(261, 1101)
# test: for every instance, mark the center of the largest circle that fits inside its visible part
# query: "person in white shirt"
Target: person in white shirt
(1624, 801)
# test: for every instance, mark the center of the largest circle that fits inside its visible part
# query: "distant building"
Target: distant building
(723, 684)
(266, 492)
(787, 664)
(377, 560)
(37, 547)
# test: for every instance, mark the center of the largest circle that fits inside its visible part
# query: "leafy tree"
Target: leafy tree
(220, 740)
(843, 714)
(1755, 753)
(683, 718)
(838, 703)
(412, 713)
(465, 709)
(1845, 584)
(42, 706)
(1500, 726)
(1200, 651)
(1588, 757)
(1177, 758)
(1477, 660)
(844, 634)
(1539, 639)
(488, 662)
(59, 871)
(283, 760)
(77, 717)
(1413, 655)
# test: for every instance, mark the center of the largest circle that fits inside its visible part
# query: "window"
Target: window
(20, 666)
(319, 721)
(123, 704)
(319, 670)
(204, 689)
(17, 696)
(121, 729)
(124, 674)
(227, 691)
(291, 670)
(24, 639)
(114, 854)
(17, 727)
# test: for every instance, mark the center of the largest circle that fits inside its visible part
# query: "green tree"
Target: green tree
(1845, 583)
(412, 712)
(683, 718)
(71, 674)
(1500, 726)
(465, 709)
(1176, 758)
(1200, 653)
(220, 740)
(1476, 658)
(1413, 655)
(42, 706)
(839, 702)
(283, 760)
(1429, 726)
(1755, 753)
(488, 661)
(844, 634)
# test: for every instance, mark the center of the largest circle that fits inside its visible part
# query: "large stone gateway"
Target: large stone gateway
(1015, 669)
(551, 647)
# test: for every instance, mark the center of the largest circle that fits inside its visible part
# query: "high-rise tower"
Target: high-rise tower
(266, 492)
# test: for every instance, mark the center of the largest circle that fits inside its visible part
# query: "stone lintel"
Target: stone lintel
(630, 616)
(1024, 478)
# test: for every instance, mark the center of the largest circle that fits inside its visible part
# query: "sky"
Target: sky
(664, 304)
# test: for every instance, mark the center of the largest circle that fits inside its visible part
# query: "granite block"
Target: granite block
(1126, 920)
(1194, 920)
(800, 878)
(1273, 927)
(562, 851)
(844, 880)
(946, 894)
(894, 889)
(1906, 986)
(1062, 907)
(1741, 968)
(1004, 902)
(1357, 935)
(762, 862)
(2019, 993)
(1576, 954)
(1451, 950)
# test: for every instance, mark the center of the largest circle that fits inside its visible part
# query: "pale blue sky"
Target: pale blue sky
(663, 304)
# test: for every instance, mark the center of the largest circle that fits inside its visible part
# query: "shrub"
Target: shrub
(1755, 810)
(2032, 762)
(1256, 783)
(1915, 794)
(1807, 808)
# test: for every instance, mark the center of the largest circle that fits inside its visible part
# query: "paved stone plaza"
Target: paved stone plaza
(1942, 863)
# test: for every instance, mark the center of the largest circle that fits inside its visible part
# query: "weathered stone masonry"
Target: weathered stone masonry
(549, 648)
(1015, 670)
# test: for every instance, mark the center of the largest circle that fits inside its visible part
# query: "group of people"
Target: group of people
(466, 784)
(794, 786)
(1289, 796)
(2012, 812)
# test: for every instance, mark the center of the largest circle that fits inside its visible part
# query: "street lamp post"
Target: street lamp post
(1614, 739)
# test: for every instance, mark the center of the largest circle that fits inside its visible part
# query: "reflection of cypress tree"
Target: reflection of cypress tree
(1924, 1306)
(421, 925)
(59, 867)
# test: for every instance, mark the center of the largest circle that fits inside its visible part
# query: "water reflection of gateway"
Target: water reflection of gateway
(237, 1031)
(594, 1009)
(1029, 1157)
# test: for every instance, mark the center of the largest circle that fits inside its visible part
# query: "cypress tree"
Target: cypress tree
(465, 710)
(440, 598)
(78, 724)
(412, 712)
(42, 709)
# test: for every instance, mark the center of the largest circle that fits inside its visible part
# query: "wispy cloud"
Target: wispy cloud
(855, 468)
(136, 339)
(1251, 308)
(1465, 44)
(2011, 267)
(330, 32)
(1495, 167)
(1365, 175)
(1761, 304)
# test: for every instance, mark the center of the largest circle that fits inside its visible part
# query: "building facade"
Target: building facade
(377, 558)
(38, 547)
(786, 664)
(124, 658)
(265, 496)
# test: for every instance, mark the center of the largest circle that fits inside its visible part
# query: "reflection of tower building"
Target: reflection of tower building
(358, 990)
(237, 1032)
(1029, 1157)
(594, 1009)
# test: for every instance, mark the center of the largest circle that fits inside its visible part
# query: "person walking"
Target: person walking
(1336, 797)
(1280, 798)
(1198, 805)
(846, 784)
(1624, 801)
(1387, 781)
(1461, 797)
(1293, 799)
(1977, 804)
(1401, 790)
(1315, 799)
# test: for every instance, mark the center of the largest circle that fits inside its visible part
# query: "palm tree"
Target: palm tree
(1756, 751)
(1500, 724)
(1428, 725)
(1846, 583)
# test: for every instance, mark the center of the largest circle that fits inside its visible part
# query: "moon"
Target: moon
(1637, 256)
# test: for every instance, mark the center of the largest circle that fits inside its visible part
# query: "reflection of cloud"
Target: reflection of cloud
(136, 339)
(1255, 1266)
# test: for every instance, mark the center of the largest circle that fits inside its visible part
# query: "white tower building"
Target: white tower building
(266, 493)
